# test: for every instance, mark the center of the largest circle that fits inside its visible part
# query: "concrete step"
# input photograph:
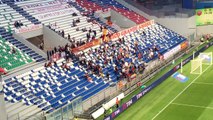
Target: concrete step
(24, 112)
(13, 106)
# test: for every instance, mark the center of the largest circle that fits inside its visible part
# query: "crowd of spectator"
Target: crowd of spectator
(114, 54)
(91, 34)
(66, 53)
(74, 22)
(206, 37)
(60, 52)
(124, 56)
(18, 24)
(125, 59)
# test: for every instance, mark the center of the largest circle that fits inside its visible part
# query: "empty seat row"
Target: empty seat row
(95, 5)
(51, 88)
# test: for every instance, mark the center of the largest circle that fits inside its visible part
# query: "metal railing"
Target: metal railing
(67, 112)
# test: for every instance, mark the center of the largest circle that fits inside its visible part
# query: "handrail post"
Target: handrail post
(2, 102)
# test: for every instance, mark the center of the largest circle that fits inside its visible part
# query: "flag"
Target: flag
(2, 71)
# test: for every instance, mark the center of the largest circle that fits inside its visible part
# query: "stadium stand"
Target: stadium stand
(129, 53)
(13, 52)
(8, 37)
(95, 5)
(52, 87)
(62, 17)
(83, 10)
(11, 57)
(22, 55)
(9, 16)
(23, 13)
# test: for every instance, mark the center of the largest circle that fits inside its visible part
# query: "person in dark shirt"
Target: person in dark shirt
(16, 24)
(62, 33)
(94, 31)
(101, 28)
(74, 23)
(68, 37)
(74, 14)
(78, 20)
(20, 23)
(88, 37)
(84, 29)
(13, 50)
(77, 29)
(107, 75)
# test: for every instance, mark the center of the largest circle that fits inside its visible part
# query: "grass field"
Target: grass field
(173, 100)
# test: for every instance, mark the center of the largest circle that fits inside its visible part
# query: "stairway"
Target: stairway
(74, 4)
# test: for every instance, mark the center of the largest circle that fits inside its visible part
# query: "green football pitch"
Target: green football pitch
(173, 100)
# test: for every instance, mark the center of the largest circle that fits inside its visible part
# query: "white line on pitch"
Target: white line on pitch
(193, 106)
(178, 95)
(203, 83)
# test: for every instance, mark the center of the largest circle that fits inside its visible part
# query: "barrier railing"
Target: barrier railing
(67, 112)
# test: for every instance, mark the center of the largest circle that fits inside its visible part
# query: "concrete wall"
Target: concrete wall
(121, 20)
(52, 39)
(30, 45)
(208, 29)
(31, 34)
(102, 14)
(185, 26)
(3, 115)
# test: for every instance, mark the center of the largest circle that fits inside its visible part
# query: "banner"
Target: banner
(171, 52)
(86, 46)
(37, 5)
(55, 13)
(132, 29)
(153, 85)
(51, 8)
(45, 4)
(29, 28)
(115, 36)
(176, 49)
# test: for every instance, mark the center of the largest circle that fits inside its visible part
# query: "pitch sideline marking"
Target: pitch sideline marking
(197, 106)
(203, 83)
(178, 94)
